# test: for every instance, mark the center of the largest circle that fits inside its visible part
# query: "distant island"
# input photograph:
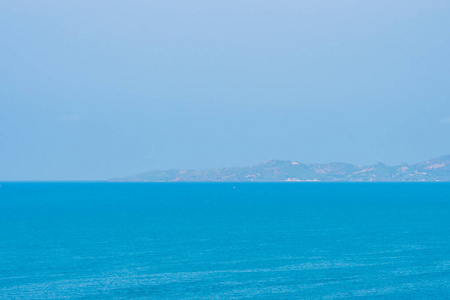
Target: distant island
(437, 169)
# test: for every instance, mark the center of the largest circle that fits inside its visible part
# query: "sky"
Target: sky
(91, 90)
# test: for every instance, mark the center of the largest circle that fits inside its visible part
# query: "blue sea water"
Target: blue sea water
(224, 241)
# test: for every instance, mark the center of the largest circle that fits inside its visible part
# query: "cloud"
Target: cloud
(70, 118)
(446, 120)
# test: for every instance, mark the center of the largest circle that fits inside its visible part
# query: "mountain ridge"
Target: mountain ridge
(437, 169)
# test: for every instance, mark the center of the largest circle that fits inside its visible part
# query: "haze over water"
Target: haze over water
(202, 240)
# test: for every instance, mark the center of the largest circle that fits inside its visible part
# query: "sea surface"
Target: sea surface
(224, 240)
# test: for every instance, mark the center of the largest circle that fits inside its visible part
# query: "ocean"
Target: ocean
(224, 240)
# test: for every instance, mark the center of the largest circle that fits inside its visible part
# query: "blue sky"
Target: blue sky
(98, 89)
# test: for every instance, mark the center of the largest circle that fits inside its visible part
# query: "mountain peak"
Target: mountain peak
(437, 169)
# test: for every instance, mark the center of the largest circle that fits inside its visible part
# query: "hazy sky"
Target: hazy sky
(100, 89)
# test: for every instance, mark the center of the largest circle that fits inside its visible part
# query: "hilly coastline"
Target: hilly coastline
(437, 169)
